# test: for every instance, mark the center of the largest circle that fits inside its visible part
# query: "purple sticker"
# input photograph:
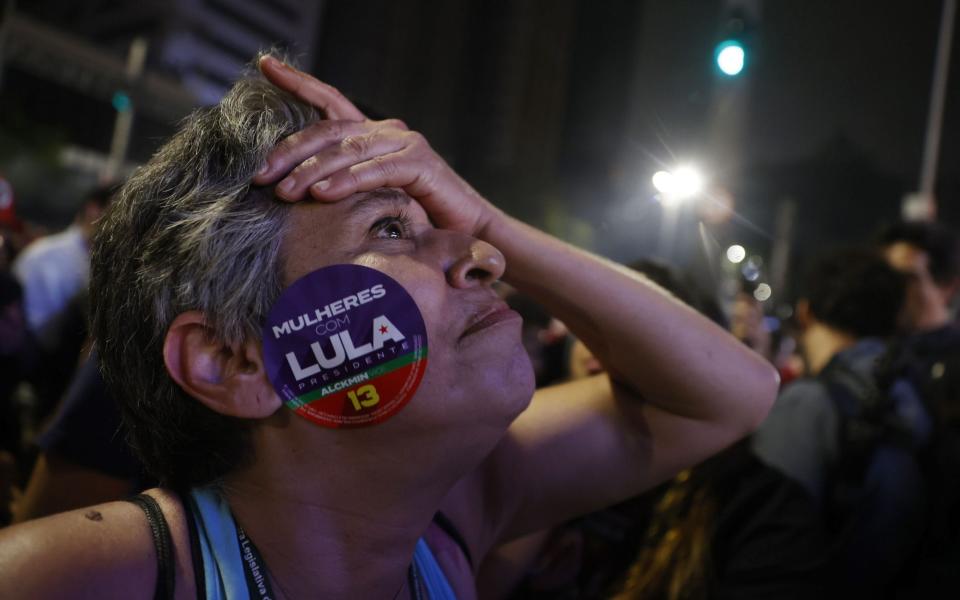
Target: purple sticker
(345, 346)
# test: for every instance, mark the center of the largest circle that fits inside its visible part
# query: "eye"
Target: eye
(395, 227)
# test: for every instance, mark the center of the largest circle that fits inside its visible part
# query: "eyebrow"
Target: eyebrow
(376, 199)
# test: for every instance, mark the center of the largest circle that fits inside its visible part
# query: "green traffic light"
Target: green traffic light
(731, 57)
(121, 101)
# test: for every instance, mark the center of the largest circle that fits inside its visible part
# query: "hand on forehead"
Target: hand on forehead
(310, 90)
(334, 158)
(342, 141)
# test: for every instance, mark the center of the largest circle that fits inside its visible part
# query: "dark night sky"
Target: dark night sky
(863, 68)
(611, 91)
(820, 68)
(838, 103)
(837, 110)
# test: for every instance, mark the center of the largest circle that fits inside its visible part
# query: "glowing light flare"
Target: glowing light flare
(663, 182)
(731, 57)
(688, 182)
(763, 292)
(751, 269)
(680, 184)
(736, 253)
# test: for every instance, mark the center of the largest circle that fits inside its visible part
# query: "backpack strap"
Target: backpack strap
(867, 418)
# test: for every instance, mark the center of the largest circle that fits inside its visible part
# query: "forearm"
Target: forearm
(653, 344)
(656, 347)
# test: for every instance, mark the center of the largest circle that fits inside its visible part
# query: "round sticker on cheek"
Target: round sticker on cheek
(345, 346)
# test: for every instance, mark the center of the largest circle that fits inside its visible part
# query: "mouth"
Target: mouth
(496, 314)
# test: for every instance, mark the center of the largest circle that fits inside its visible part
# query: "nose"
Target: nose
(467, 261)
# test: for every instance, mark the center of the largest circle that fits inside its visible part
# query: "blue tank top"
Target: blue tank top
(234, 570)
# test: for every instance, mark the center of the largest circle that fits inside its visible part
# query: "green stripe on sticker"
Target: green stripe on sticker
(373, 373)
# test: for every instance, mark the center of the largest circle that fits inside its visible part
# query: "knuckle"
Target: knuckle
(327, 129)
(396, 124)
(427, 178)
(385, 167)
(354, 177)
(287, 144)
(416, 138)
(337, 94)
(319, 127)
(306, 167)
(354, 145)
(338, 129)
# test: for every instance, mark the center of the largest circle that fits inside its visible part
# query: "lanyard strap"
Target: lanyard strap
(413, 581)
(254, 569)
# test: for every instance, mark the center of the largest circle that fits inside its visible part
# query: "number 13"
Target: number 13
(365, 397)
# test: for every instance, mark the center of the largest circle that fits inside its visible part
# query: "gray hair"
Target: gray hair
(188, 231)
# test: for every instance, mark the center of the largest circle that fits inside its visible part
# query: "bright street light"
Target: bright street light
(688, 182)
(736, 253)
(680, 184)
(663, 181)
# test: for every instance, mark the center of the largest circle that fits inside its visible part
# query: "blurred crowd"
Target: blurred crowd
(852, 484)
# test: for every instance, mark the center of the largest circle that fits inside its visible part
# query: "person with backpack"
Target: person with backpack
(929, 255)
(851, 431)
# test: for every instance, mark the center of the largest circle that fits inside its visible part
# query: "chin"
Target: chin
(514, 385)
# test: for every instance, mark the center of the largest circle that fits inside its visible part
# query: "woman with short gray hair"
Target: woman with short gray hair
(359, 464)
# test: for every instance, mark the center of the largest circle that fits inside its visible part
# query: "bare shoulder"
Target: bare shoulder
(105, 550)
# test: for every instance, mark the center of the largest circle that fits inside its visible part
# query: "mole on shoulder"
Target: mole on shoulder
(93, 515)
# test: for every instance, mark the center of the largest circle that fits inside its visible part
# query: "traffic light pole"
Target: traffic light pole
(938, 92)
(731, 91)
(136, 57)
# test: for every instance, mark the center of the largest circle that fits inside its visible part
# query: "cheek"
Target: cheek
(424, 285)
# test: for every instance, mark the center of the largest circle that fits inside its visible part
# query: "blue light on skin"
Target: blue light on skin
(731, 57)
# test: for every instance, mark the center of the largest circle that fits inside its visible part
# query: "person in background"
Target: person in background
(54, 269)
(83, 455)
(14, 343)
(747, 323)
(16, 352)
(928, 254)
(851, 431)
(54, 272)
(730, 527)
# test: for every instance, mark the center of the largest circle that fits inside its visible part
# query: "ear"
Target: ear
(230, 380)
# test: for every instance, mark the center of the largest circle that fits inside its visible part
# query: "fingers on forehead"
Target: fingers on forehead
(315, 137)
(310, 90)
